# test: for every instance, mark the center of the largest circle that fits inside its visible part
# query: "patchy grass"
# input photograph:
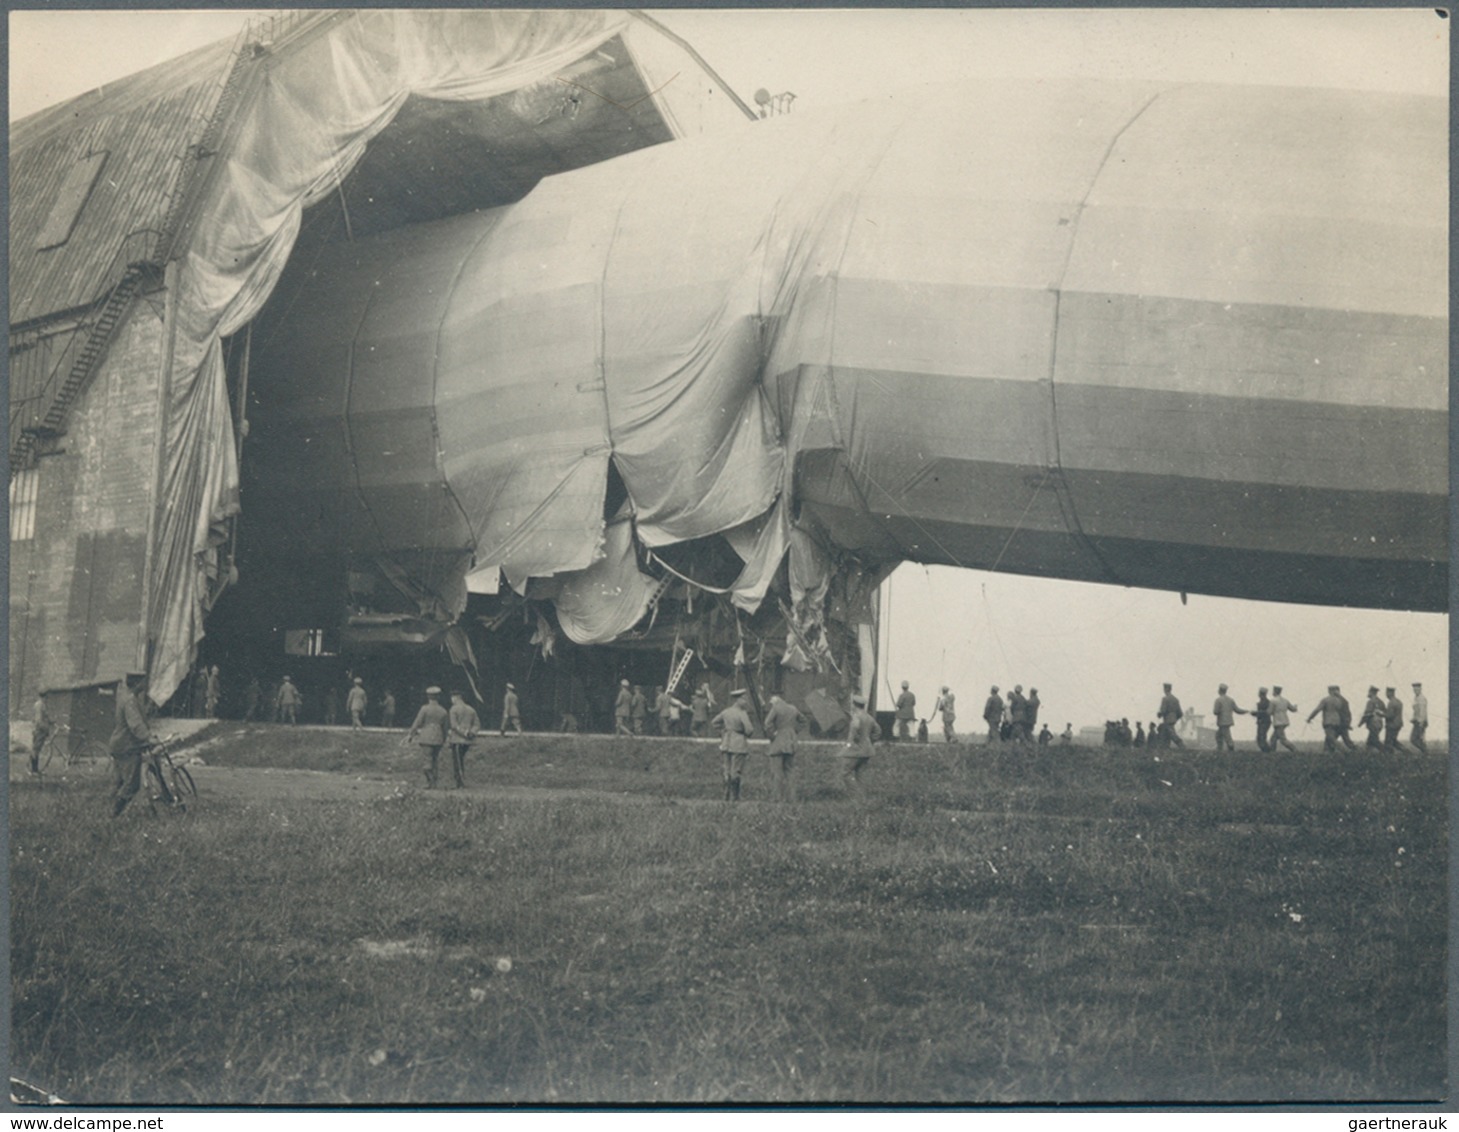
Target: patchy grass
(587, 923)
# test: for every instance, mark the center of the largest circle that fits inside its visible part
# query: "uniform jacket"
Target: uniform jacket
(465, 723)
(429, 728)
(781, 722)
(735, 727)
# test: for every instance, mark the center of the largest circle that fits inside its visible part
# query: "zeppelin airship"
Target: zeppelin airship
(1188, 337)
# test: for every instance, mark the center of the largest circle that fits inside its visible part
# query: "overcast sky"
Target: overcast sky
(1093, 651)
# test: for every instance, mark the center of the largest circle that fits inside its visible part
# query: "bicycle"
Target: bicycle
(167, 783)
(71, 750)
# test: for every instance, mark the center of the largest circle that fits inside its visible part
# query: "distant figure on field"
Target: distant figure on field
(213, 694)
(638, 709)
(355, 702)
(1170, 714)
(41, 726)
(906, 711)
(251, 697)
(511, 710)
(1282, 709)
(623, 710)
(861, 733)
(200, 694)
(703, 704)
(782, 722)
(679, 714)
(1332, 707)
(734, 727)
(1139, 734)
(387, 708)
(1393, 723)
(1419, 717)
(1372, 719)
(1017, 715)
(993, 715)
(464, 724)
(331, 706)
(129, 740)
(655, 711)
(1067, 738)
(1031, 712)
(1225, 711)
(1263, 713)
(289, 701)
(1045, 736)
(429, 732)
(946, 704)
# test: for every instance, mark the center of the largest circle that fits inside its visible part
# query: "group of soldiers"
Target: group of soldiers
(661, 713)
(1273, 715)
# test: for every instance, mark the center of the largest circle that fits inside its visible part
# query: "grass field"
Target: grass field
(587, 923)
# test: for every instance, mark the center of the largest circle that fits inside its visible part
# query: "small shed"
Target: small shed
(89, 709)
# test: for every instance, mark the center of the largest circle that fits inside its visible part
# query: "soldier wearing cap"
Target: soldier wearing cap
(465, 723)
(1393, 723)
(1170, 714)
(906, 711)
(638, 708)
(511, 710)
(734, 727)
(1263, 713)
(993, 715)
(429, 732)
(1336, 715)
(623, 709)
(130, 738)
(1225, 711)
(356, 702)
(861, 733)
(701, 704)
(782, 723)
(946, 704)
(1372, 719)
(288, 702)
(1281, 719)
(1419, 717)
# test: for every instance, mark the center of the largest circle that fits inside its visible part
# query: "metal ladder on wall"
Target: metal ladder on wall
(130, 269)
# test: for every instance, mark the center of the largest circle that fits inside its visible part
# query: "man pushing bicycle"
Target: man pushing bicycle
(129, 741)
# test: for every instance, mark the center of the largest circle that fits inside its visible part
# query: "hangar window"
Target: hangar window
(70, 200)
(23, 486)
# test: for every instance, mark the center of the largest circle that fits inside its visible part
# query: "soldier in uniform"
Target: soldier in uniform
(41, 726)
(1419, 718)
(993, 715)
(1170, 714)
(511, 710)
(734, 727)
(355, 703)
(946, 705)
(638, 709)
(622, 710)
(1335, 715)
(288, 702)
(1225, 712)
(464, 724)
(1393, 723)
(861, 733)
(1263, 713)
(429, 732)
(1372, 719)
(131, 737)
(1281, 719)
(782, 723)
(906, 711)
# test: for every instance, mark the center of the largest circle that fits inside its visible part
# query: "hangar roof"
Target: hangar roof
(105, 178)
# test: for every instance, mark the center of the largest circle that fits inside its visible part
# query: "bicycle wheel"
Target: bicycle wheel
(90, 756)
(158, 792)
(183, 788)
(50, 751)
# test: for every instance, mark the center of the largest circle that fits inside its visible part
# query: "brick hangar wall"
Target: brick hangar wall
(77, 587)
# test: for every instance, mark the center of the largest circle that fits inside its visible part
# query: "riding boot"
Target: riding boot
(735, 785)
(728, 790)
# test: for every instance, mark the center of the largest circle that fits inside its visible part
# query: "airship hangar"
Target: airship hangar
(480, 346)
